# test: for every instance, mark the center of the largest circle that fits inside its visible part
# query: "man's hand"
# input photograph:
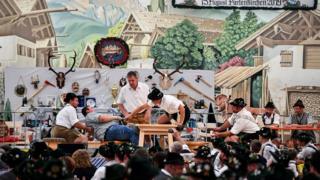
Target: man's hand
(216, 129)
(128, 116)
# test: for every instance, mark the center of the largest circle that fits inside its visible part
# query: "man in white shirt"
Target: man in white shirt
(270, 118)
(243, 124)
(67, 122)
(308, 148)
(133, 95)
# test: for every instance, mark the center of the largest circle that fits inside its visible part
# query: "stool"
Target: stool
(155, 129)
(53, 142)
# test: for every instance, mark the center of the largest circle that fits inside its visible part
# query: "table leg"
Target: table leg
(141, 138)
(170, 139)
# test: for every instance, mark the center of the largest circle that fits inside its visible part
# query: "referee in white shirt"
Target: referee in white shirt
(133, 95)
(67, 122)
(243, 124)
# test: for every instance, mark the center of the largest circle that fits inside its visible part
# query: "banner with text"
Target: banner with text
(254, 4)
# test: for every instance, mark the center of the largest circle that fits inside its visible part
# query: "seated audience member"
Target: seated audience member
(173, 167)
(243, 124)
(107, 127)
(203, 155)
(12, 159)
(69, 162)
(124, 152)
(158, 159)
(267, 146)
(270, 118)
(308, 148)
(115, 172)
(108, 151)
(39, 151)
(314, 171)
(141, 168)
(67, 123)
(84, 169)
(202, 171)
(54, 169)
(301, 119)
(293, 162)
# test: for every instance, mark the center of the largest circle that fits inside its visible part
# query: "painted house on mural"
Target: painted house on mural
(244, 81)
(142, 29)
(26, 32)
(289, 46)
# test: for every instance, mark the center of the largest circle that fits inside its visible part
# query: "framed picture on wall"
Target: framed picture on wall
(51, 101)
(90, 101)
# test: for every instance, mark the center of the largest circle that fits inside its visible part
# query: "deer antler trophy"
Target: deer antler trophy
(165, 78)
(61, 76)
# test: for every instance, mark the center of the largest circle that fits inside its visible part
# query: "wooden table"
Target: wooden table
(155, 129)
(290, 128)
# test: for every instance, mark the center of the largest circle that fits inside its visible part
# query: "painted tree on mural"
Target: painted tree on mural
(236, 30)
(180, 40)
(115, 30)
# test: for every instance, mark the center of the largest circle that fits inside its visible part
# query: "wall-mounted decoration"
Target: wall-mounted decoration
(122, 82)
(165, 78)
(90, 101)
(20, 88)
(61, 76)
(35, 81)
(86, 92)
(247, 4)
(97, 76)
(111, 51)
(75, 87)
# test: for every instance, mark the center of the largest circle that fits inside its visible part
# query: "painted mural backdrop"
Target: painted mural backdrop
(100, 18)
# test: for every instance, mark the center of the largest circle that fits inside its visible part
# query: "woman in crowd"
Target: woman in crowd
(84, 169)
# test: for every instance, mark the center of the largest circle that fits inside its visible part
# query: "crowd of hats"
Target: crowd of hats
(40, 162)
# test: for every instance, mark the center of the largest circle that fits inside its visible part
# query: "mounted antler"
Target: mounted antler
(165, 78)
(61, 76)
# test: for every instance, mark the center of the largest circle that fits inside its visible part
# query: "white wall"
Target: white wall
(140, 64)
(9, 55)
(282, 77)
(85, 77)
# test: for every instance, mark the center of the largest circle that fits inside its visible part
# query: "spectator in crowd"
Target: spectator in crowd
(84, 168)
(173, 167)
(267, 146)
(270, 117)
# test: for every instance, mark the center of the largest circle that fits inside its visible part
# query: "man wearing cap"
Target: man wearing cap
(242, 122)
(173, 167)
(301, 119)
(270, 118)
(133, 95)
(170, 104)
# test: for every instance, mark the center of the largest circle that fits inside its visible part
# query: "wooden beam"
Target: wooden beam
(284, 27)
(40, 27)
(305, 18)
(7, 7)
(136, 32)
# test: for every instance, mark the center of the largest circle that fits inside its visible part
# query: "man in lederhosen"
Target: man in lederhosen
(243, 124)
(301, 119)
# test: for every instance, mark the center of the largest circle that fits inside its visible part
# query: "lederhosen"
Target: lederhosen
(186, 115)
(302, 120)
(247, 137)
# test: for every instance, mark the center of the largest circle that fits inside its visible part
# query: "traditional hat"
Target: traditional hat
(201, 171)
(173, 158)
(239, 102)
(155, 94)
(108, 150)
(141, 168)
(203, 152)
(299, 103)
(265, 132)
(269, 105)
